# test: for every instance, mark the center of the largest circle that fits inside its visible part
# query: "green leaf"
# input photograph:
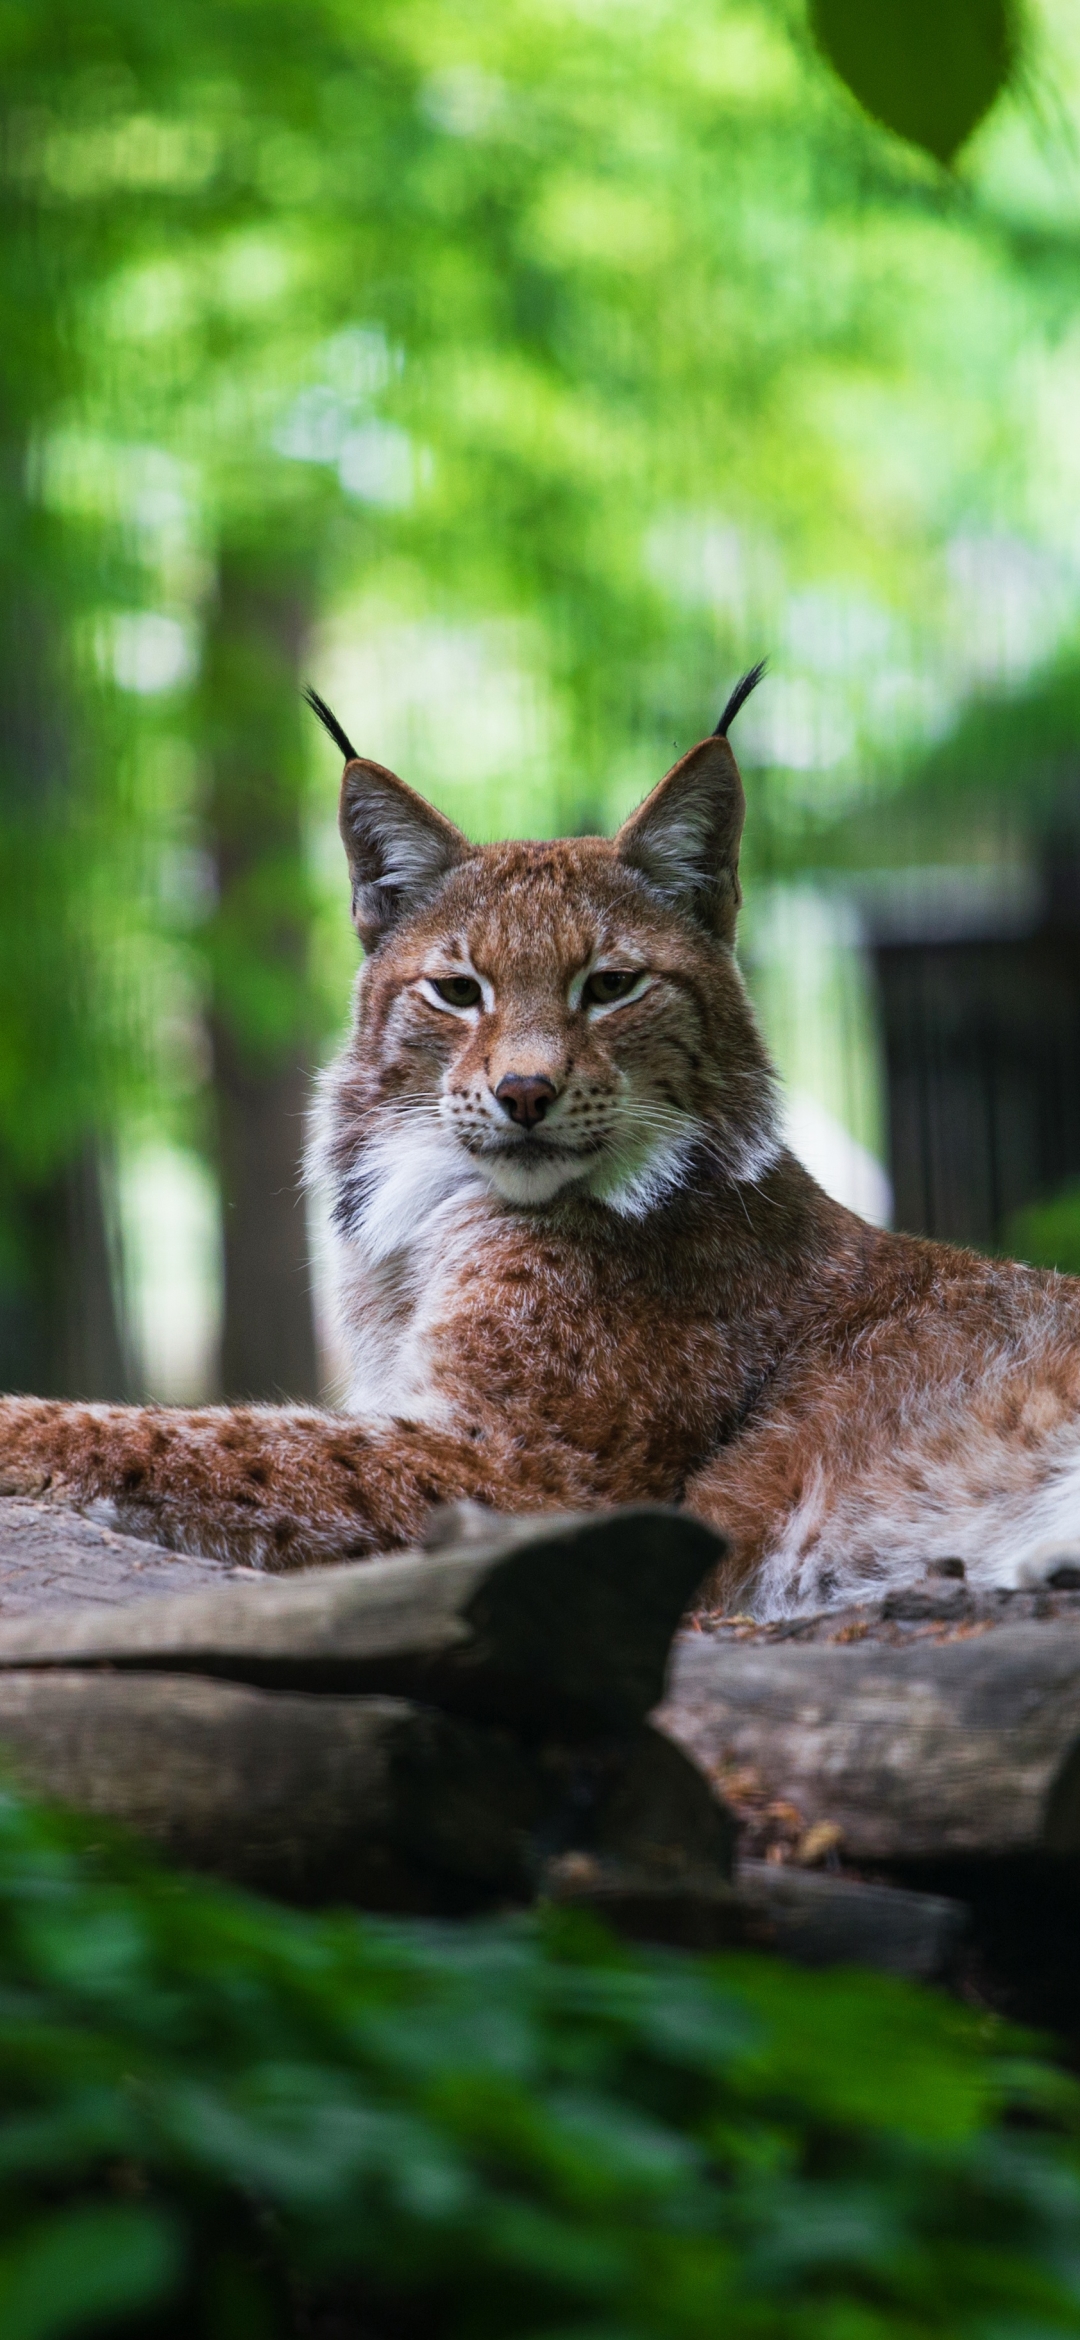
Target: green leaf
(72, 2271)
(928, 69)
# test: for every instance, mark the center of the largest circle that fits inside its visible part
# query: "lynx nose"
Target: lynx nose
(525, 1097)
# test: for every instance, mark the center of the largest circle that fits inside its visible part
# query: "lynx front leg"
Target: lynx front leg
(269, 1487)
(767, 1494)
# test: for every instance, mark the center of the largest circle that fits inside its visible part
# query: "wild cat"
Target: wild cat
(577, 1266)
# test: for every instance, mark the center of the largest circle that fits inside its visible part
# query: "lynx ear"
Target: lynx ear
(398, 847)
(685, 837)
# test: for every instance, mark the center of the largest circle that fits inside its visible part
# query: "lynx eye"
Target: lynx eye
(460, 991)
(608, 984)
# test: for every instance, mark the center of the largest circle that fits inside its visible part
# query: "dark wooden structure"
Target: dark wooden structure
(979, 990)
(475, 1726)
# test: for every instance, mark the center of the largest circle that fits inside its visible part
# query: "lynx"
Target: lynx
(577, 1266)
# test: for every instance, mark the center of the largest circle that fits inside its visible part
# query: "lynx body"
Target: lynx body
(576, 1265)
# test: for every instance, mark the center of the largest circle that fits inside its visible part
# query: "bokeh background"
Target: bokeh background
(516, 372)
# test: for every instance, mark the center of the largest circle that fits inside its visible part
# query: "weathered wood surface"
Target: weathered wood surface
(372, 1800)
(54, 1558)
(819, 1920)
(813, 1919)
(285, 1732)
(636, 1805)
(550, 1625)
(366, 1800)
(941, 1607)
(923, 1751)
(224, 1722)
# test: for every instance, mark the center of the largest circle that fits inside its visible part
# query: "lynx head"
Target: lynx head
(544, 1019)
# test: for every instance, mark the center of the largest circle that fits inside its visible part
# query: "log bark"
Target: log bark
(635, 1809)
(51, 1558)
(366, 1800)
(813, 1920)
(918, 1752)
(819, 1920)
(374, 1801)
(553, 1626)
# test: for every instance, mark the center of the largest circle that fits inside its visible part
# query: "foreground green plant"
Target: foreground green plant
(216, 2114)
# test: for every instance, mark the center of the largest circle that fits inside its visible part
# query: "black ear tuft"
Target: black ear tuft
(330, 723)
(740, 694)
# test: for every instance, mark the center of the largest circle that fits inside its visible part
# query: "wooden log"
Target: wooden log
(51, 1557)
(365, 1800)
(971, 1747)
(812, 1919)
(636, 1804)
(372, 1800)
(818, 1920)
(550, 1626)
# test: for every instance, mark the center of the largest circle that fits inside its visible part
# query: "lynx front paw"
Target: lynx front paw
(27, 1483)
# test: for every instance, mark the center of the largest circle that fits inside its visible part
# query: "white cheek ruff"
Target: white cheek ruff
(403, 1174)
(635, 1186)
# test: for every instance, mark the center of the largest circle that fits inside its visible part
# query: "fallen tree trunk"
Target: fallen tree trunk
(919, 1752)
(277, 1779)
(812, 1919)
(365, 1800)
(372, 1801)
(818, 1920)
(391, 1807)
(51, 1558)
(549, 1626)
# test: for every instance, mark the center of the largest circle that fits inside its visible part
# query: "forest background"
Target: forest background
(518, 373)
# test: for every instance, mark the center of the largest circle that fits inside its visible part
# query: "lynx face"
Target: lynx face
(535, 1020)
(566, 1035)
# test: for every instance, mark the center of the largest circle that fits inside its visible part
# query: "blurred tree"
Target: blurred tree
(110, 136)
(257, 942)
(58, 1319)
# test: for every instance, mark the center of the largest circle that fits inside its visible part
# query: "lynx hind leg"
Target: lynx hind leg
(1054, 1564)
(741, 1506)
(264, 1487)
(1033, 1542)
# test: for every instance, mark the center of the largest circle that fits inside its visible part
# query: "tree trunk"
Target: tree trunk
(268, 1328)
(60, 1331)
(60, 1327)
(261, 1024)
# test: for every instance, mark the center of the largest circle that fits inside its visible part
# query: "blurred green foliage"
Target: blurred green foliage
(548, 363)
(213, 2110)
(1047, 1234)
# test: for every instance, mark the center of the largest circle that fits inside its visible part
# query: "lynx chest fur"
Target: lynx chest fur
(563, 1334)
